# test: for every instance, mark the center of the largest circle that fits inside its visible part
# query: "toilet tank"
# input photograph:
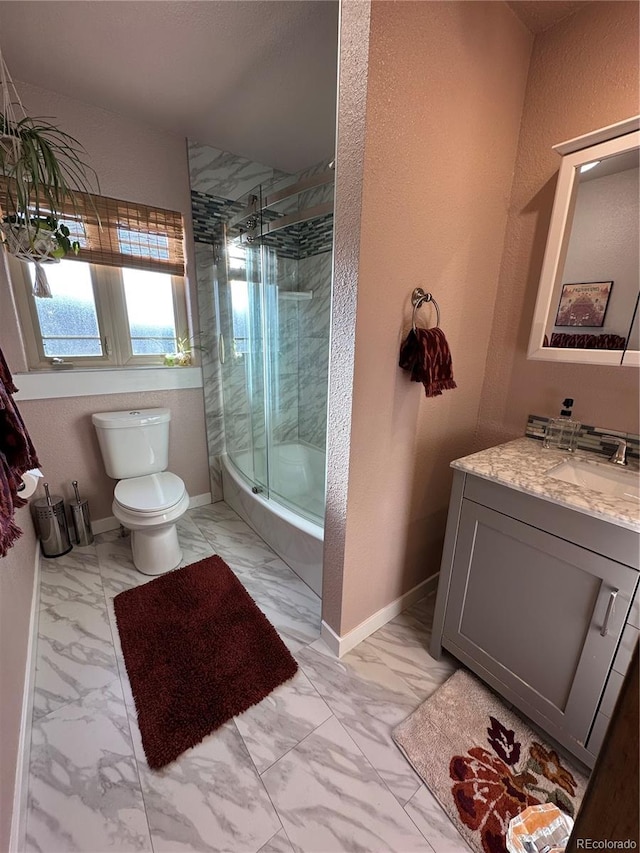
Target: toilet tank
(133, 443)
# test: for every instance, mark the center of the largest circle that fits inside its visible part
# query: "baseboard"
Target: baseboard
(21, 788)
(102, 525)
(200, 500)
(341, 645)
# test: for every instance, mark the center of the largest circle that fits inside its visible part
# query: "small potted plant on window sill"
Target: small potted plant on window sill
(183, 357)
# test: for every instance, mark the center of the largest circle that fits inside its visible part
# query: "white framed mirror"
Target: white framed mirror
(586, 310)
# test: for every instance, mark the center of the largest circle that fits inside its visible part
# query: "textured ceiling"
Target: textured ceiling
(256, 77)
(539, 15)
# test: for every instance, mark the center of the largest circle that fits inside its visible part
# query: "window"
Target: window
(100, 316)
(120, 301)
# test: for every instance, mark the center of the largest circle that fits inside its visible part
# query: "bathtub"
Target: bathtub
(296, 540)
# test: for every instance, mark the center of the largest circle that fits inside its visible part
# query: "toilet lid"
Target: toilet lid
(151, 493)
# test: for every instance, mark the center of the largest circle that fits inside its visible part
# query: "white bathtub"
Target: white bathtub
(298, 541)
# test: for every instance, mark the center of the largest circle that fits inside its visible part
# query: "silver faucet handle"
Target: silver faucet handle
(620, 455)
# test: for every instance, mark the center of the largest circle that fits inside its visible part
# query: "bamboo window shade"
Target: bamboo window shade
(122, 233)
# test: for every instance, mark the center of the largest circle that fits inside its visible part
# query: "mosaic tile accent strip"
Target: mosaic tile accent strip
(209, 212)
(589, 437)
(297, 242)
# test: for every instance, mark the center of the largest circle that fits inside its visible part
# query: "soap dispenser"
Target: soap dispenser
(562, 432)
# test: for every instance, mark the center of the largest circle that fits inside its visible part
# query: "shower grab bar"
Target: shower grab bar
(309, 183)
(418, 297)
(298, 216)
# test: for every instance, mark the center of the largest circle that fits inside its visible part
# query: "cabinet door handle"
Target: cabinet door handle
(221, 351)
(610, 610)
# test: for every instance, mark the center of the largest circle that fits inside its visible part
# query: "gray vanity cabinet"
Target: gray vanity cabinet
(534, 614)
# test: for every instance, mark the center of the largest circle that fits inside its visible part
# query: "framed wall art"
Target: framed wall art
(584, 304)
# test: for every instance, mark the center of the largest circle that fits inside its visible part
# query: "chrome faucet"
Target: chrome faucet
(620, 455)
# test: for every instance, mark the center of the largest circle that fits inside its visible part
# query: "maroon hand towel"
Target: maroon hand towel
(17, 455)
(425, 352)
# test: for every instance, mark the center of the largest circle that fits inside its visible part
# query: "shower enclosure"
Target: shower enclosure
(273, 308)
(272, 290)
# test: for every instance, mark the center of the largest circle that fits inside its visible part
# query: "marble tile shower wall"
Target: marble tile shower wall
(314, 315)
(229, 176)
(214, 423)
(285, 410)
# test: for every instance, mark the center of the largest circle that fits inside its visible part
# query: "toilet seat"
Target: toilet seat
(152, 494)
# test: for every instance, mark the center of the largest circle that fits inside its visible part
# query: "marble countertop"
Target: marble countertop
(523, 464)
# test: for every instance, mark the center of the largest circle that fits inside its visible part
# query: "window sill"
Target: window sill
(49, 384)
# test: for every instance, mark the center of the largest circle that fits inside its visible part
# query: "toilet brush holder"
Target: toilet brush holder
(51, 525)
(80, 519)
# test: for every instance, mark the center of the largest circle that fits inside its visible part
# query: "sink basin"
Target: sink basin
(601, 477)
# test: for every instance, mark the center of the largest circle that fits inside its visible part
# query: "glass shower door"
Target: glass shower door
(297, 239)
(242, 343)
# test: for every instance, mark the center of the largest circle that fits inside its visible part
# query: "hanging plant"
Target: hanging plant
(47, 238)
(42, 168)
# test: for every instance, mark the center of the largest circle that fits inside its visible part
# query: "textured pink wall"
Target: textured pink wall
(584, 75)
(16, 590)
(445, 95)
(62, 431)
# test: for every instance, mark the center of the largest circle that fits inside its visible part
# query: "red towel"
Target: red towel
(17, 455)
(425, 352)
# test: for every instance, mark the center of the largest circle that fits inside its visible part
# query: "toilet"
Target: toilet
(148, 500)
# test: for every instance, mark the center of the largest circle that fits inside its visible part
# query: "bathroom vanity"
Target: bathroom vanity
(538, 591)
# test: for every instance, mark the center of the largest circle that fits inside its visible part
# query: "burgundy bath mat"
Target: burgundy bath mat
(198, 652)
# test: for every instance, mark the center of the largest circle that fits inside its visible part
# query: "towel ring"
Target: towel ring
(418, 297)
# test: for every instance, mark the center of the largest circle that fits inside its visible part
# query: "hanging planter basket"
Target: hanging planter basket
(32, 245)
(42, 170)
(29, 244)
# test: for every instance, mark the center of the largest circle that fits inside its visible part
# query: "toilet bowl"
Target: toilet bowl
(148, 500)
(149, 507)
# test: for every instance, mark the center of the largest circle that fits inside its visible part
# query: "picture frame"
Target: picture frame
(584, 304)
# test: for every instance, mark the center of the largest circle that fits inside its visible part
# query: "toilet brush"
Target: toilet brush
(81, 519)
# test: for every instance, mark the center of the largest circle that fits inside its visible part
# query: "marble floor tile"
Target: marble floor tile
(71, 576)
(210, 799)
(321, 741)
(278, 723)
(403, 645)
(107, 536)
(74, 654)
(116, 566)
(231, 537)
(278, 844)
(330, 798)
(423, 610)
(84, 789)
(192, 541)
(287, 602)
(369, 700)
(433, 822)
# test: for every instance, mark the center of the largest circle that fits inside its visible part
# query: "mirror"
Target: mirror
(589, 285)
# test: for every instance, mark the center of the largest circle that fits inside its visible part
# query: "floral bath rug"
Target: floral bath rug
(483, 763)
